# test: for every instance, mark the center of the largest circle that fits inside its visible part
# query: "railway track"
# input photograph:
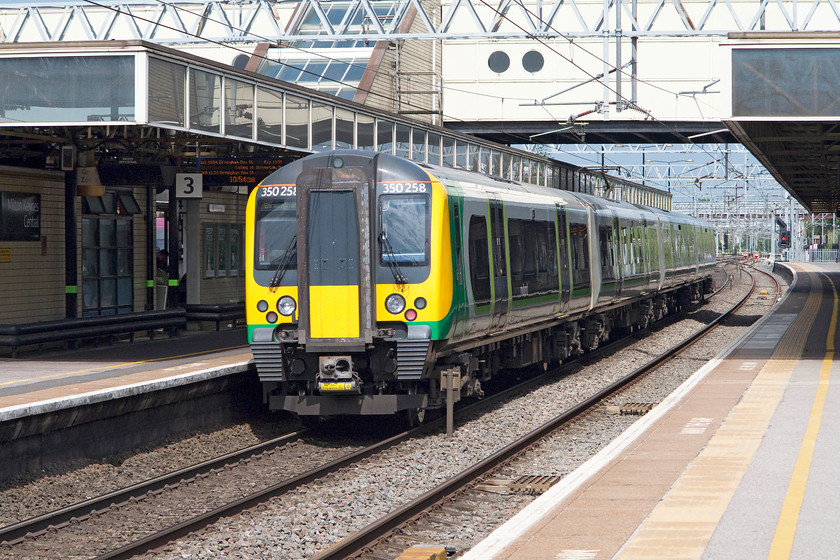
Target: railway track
(363, 543)
(17, 532)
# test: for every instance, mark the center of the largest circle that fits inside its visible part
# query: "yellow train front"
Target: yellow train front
(349, 282)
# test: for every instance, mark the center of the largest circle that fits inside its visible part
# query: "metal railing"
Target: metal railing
(821, 255)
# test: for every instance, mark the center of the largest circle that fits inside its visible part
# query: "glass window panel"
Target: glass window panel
(123, 233)
(222, 248)
(233, 233)
(354, 72)
(461, 155)
(107, 262)
(123, 264)
(322, 126)
(270, 68)
(269, 116)
(403, 145)
(297, 122)
(167, 92)
(526, 170)
(448, 151)
(107, 294)
(384, 136)
(434, 149)
(344, 128)
(89, 232)
(496, 163)
(472, 157)
(67, 89)
(542, 177)
(335, 71)
(124, 291)
(484, 160)
(505, 169)
(90, 263)
(209, 250)
(205, 101)
(313, 72)
(515, 168)
(418, 145)
(239, 108)
(90, 294)
(291, 71)
(107, 233)
(364, 132)
(771, 82)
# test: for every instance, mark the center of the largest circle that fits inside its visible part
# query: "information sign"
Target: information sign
(248, 172)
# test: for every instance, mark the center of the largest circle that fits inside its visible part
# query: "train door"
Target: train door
(563, 248)
(334, 263)
(500, 275)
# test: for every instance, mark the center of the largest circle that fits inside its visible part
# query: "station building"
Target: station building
(113, 151)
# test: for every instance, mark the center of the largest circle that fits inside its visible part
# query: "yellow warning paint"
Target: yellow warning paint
(782, 543)
(334, 311)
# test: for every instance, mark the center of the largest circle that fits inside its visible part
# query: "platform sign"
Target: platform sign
(20, 216)
(189, 185)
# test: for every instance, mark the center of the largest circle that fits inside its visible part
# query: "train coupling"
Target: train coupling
(336, 375)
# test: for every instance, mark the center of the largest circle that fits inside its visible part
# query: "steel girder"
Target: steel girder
(184, 22)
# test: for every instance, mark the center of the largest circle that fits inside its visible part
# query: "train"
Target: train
(369, 277)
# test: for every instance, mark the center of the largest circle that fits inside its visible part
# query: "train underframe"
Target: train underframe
(401, 371)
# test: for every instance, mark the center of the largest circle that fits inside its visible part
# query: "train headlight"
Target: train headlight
(286, 306)
(395, 304)
(271, 317)
(262, 306)
(420, 303)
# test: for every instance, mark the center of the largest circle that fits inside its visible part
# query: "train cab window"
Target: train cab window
(479, 260)
(404, 230)
(275, 234)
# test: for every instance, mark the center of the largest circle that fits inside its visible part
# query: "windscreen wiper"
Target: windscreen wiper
(283, 264)
(391, 259)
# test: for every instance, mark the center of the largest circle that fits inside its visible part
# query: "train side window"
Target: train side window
(479, 260)
(533, 257)
(580, 255)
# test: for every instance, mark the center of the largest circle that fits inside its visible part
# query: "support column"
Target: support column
(192, 248)
(71, 254)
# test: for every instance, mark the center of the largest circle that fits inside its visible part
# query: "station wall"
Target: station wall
(32, 271)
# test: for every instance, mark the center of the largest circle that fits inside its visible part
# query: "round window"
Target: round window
(498, 62)
(532, 61)
(241, 61)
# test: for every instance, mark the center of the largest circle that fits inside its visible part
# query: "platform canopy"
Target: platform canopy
(785, 108)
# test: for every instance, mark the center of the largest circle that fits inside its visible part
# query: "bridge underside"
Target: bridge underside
(597, 132)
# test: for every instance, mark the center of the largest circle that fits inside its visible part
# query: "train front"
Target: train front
(349, 284)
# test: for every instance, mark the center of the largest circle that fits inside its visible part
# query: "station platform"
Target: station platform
(740, 462)
(40, 382)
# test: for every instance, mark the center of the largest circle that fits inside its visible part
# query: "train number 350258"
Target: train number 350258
(288, 190)
(391, 188)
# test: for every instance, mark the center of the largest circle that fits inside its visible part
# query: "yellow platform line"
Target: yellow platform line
(782, 543)
(682, 524)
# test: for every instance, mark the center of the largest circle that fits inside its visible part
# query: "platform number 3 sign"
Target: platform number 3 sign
(188, 185)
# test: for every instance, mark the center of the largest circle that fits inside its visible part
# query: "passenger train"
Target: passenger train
(369, 275)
